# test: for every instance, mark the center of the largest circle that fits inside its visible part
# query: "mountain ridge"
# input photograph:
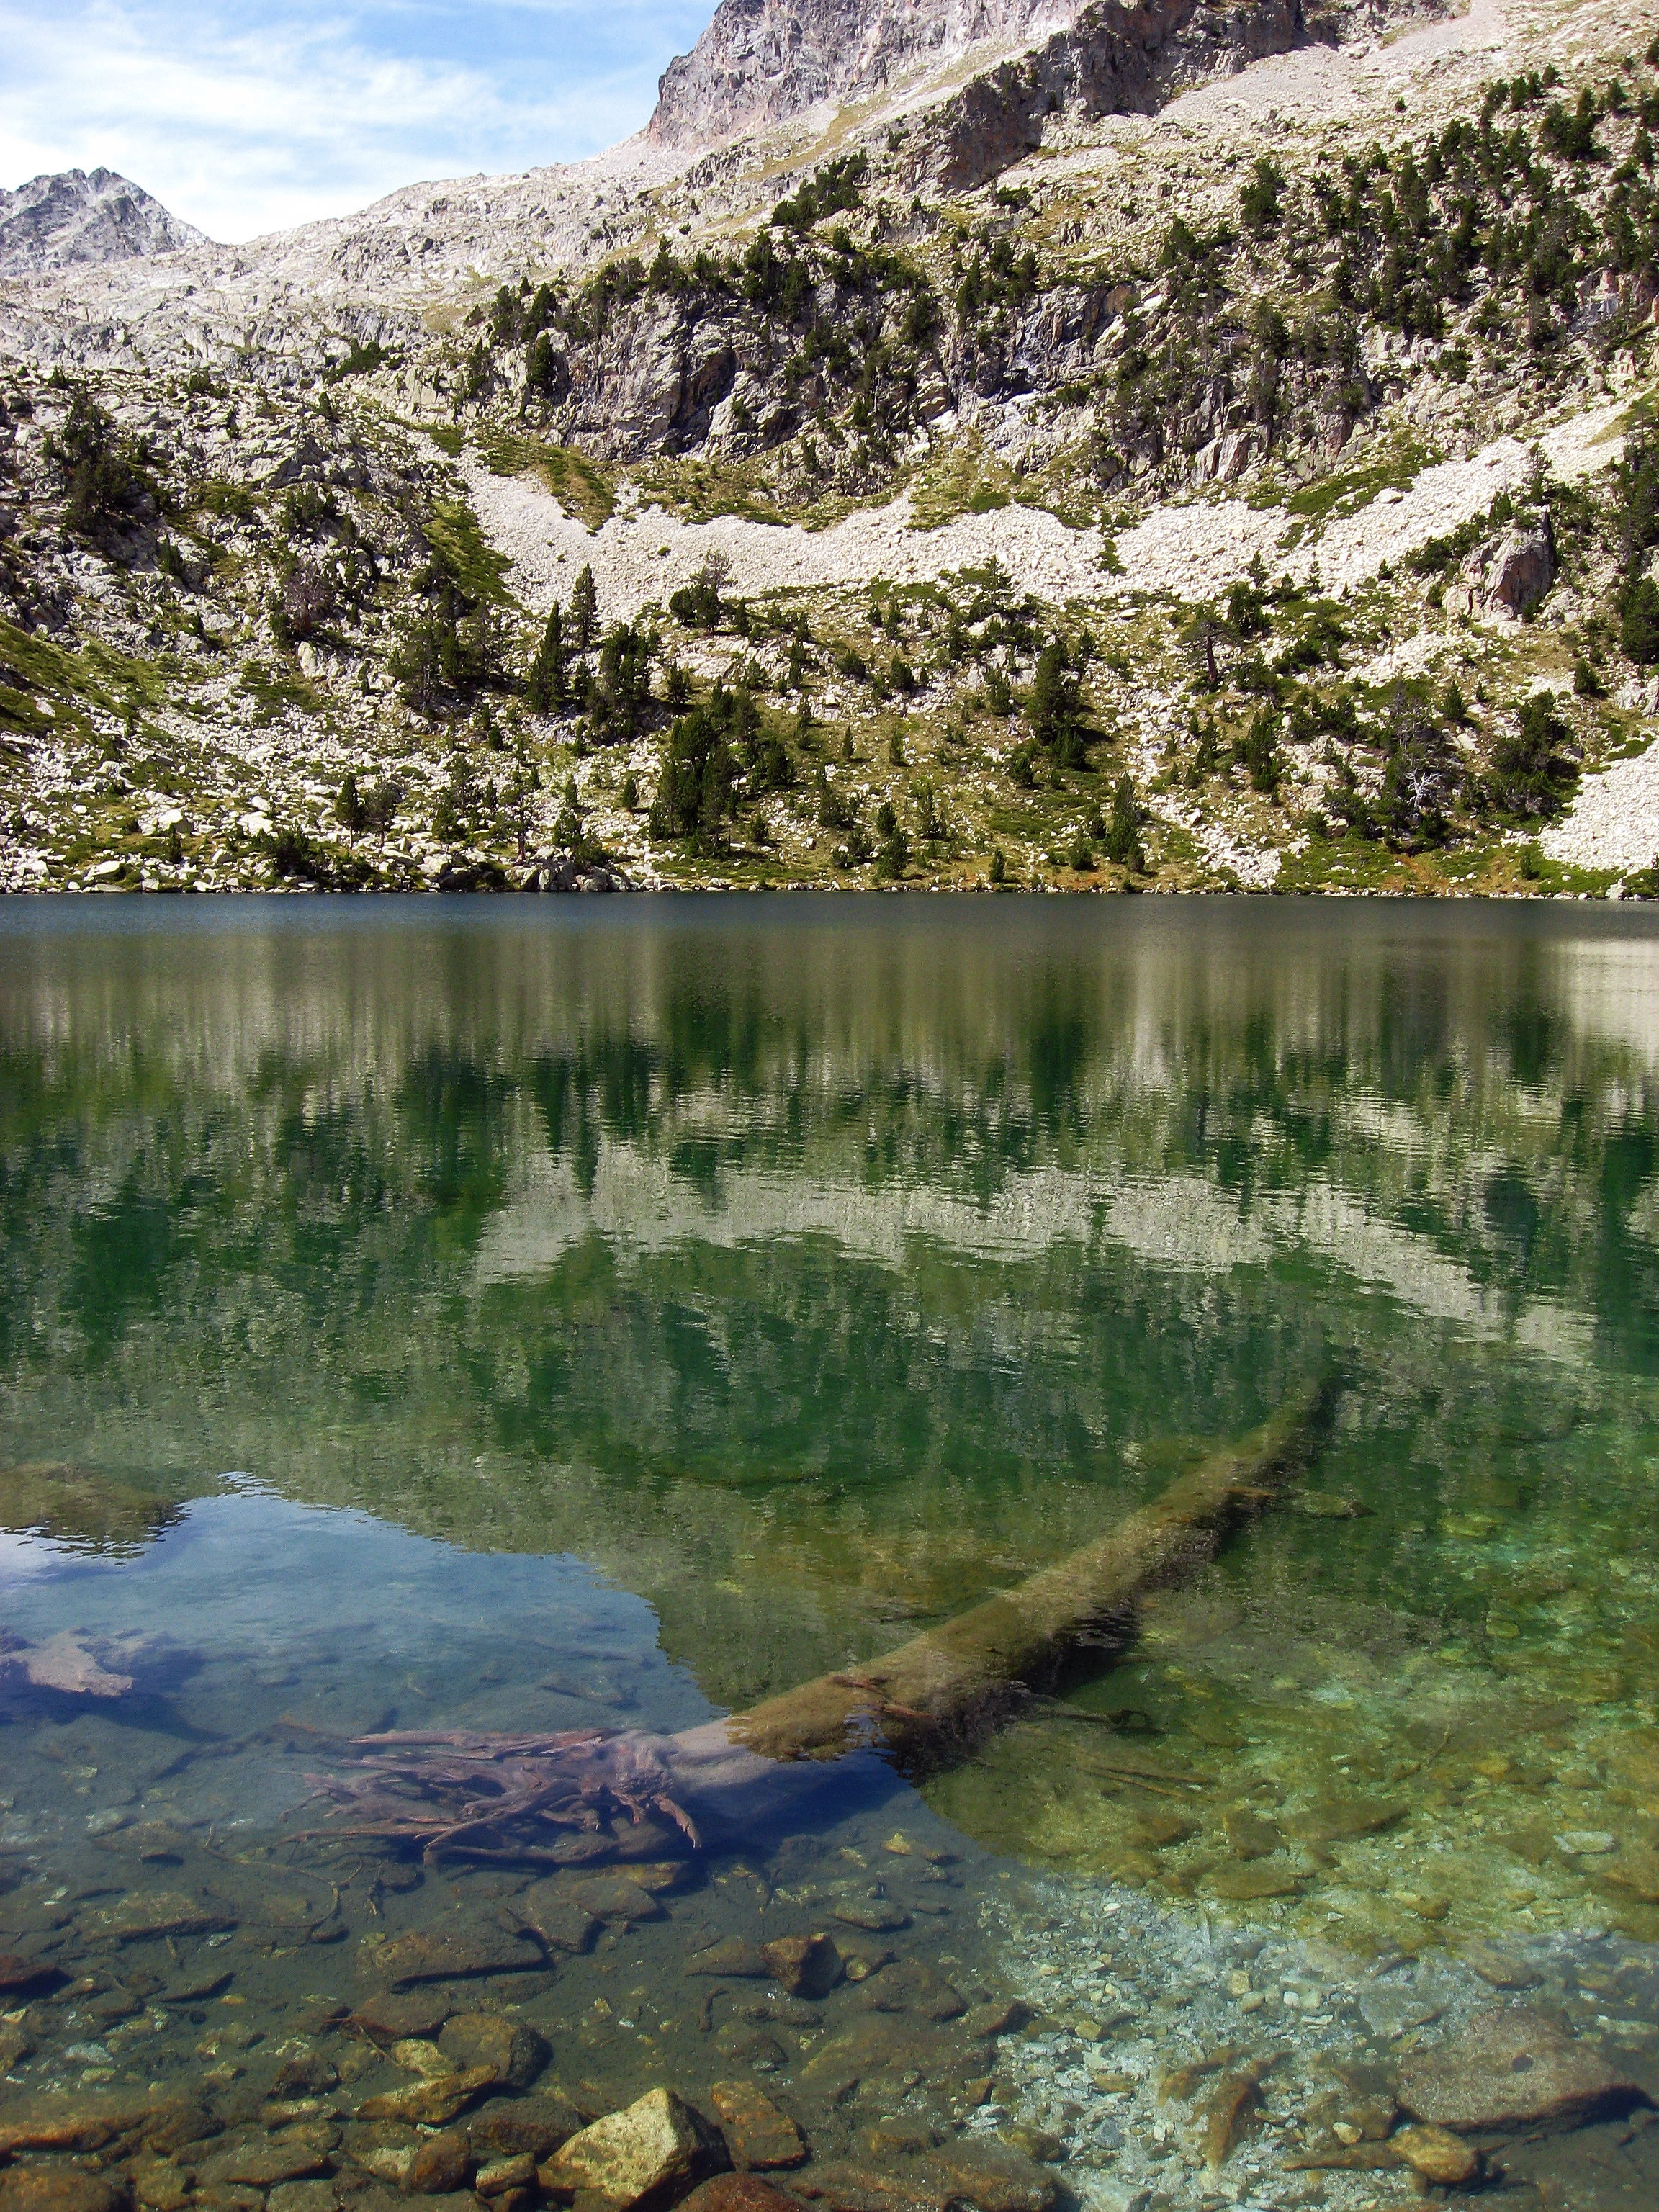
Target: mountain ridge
(75, 217)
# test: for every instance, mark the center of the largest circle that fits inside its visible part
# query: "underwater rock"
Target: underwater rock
(806, 1965)
(990, 2177)
(983, 2021)
(534, 2125)
(440, 2164)
(875, 1915)
(1508, 2069)
(309, 2075)
(661, 1876)
(737, 2192)
(22, 1976)
(1497, 1966)
(416, 2054)
(912, 1985)
(517, 2052)
(505, 2174)
(157, 1913)
(994, 2177)
(430, 2104)
(75, 2123)
(1388, 2011)
(65, 1661)
(633, 2154)
(756, 2133)
(1437, 2154)
(59, 2189)
(844, 2185)
(313, 2196)
(616, 1898)
(731, 1960)
(751, 2046)
(553, 1912)
(427, 1955)
(1329, 1505)
(391, 2016)
(261, 2161)
(1248, 1835)
(1244, 1885)
(1634, 1873)
(160, 2187)
(1338, 1819)
(881, 2043)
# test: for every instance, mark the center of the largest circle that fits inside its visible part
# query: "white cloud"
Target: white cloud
(258, 118)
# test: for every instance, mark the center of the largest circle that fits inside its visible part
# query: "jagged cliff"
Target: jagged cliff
(75, 217)
(761, 62)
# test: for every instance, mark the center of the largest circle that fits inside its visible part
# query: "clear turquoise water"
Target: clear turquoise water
(505, 1316)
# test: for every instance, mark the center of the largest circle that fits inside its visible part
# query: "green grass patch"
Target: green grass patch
(453, 534)
(217, 495)
(698, 491)
(96, 676)
(1637, 414)
(274, 691)
(1633, 748)
(448, 437)
(1478, 864)
(959, 478)
(580, 486)
(1349, 491)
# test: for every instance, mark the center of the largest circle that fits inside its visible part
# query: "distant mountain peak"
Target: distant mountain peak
(77, 217)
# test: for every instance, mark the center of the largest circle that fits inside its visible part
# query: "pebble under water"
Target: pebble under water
(489, 1322)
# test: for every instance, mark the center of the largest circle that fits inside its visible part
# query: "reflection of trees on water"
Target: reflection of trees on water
(883, 1234)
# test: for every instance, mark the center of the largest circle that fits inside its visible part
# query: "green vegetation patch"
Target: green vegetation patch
(454, 535)
(274, 691)
(96, 676)
(217, 495)
(580, 486)
(1350, 491)
(960, 478)
(698, 491)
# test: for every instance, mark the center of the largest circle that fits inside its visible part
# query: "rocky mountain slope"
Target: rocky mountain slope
(59, 221)
(761, 62)
(1032, 471)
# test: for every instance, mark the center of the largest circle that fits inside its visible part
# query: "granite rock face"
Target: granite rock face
(78, 216)
(762, 61)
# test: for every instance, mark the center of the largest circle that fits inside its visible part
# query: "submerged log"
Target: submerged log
(920, 1707)
(929, 1702)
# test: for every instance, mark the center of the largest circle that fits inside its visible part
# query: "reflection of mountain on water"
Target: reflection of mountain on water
(1179, 1221)
(811, 1275)
(78, 1511)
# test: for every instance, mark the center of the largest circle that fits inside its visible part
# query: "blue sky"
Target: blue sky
(246, 118)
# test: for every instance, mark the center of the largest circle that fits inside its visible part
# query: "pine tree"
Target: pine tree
(548, 689)
(584, 611)
(1123, 830)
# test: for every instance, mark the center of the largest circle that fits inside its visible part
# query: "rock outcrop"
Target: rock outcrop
(762, 61)
(77, 218)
